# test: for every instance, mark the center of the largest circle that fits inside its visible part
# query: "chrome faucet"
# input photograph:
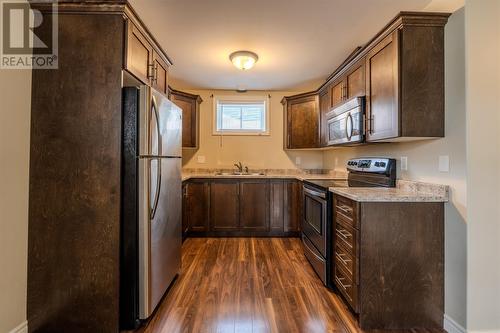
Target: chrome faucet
(239, 166)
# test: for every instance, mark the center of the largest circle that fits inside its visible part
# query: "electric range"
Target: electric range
(317, 233)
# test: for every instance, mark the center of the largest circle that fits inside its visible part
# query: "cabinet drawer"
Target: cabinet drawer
(345, 210)
(347, 288)
(346, 236)
(317, 261)
(347, 262)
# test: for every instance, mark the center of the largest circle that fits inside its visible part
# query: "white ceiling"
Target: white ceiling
(299, 42)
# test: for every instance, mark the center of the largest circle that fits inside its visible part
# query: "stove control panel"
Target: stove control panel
(372, 165)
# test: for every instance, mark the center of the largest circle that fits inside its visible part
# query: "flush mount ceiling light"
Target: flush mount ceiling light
(243, 59)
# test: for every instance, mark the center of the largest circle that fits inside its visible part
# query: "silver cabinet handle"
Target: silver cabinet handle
(344, 233)
(344, 209)
(339, 280)
(341, 258)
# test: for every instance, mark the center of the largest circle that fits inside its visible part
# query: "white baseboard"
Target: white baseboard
(23, 328)
(452, 326)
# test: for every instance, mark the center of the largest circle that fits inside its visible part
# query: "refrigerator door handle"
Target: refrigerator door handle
(157, 117)
(157, 190)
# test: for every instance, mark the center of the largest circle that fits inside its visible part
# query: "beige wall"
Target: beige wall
(258, 152)
(423, 157)
(15, 97)
(482, 37)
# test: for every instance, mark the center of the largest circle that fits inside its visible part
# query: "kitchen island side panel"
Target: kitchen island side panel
(401, 265)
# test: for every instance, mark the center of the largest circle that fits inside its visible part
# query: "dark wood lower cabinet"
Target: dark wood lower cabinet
(224, 205)
(293, 205)
(196, 206)
(254, 205)
(389, 262)
(242, 207)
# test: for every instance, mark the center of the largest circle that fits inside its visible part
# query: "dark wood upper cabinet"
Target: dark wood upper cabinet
(349, 85)
(139, 53)
(196, 204)
(224, 205)
(159, 77)
(190, 105)
(254, 205)
(401, 73)
(338, 93)
(144, 60)
(355, 81)
(382, 111)
(324, 107)
(405, 82)
(302, 121)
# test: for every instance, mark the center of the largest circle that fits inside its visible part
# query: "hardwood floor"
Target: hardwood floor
(254, 285)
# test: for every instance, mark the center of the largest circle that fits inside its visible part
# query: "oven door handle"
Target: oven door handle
(314, 193)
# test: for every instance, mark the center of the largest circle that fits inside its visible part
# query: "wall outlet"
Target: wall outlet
(404, 163)
(202, 159)
(444, 163)
(298, 160)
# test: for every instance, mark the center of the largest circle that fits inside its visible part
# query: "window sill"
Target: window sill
(241, 134)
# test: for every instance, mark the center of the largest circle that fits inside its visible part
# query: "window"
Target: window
(241, 115)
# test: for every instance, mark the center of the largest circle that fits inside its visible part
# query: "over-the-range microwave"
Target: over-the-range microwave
(346, 122)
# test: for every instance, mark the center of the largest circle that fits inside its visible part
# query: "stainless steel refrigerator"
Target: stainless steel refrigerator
(151, 208)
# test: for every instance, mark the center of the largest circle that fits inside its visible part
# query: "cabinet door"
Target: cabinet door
(293, 206)
(139, 54)
(382, 90)
(254, 205)
(356, 82)
(160, 74)
(190, 120)
(197, 203)
(224, 205)
(324, 106)
(338, 93)
(277, 206)
(303, 122)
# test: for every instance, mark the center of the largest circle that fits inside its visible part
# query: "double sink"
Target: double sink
(247, 174)
(240, 171)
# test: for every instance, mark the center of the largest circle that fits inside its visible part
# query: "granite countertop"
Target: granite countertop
(300, 177)
(405, 191)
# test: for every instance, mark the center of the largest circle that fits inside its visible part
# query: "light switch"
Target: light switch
(298, 160)
(404, 163)
(201, 159)
(444, 163)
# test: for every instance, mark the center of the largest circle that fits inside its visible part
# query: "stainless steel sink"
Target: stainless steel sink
(243, 174)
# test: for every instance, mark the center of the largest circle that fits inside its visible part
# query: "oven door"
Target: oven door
(346, 128)
(314, 219)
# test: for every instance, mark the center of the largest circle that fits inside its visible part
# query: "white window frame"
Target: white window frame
(243, 98)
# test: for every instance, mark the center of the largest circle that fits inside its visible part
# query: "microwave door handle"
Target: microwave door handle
(349, 130)
(158, 188)
(157, 117)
